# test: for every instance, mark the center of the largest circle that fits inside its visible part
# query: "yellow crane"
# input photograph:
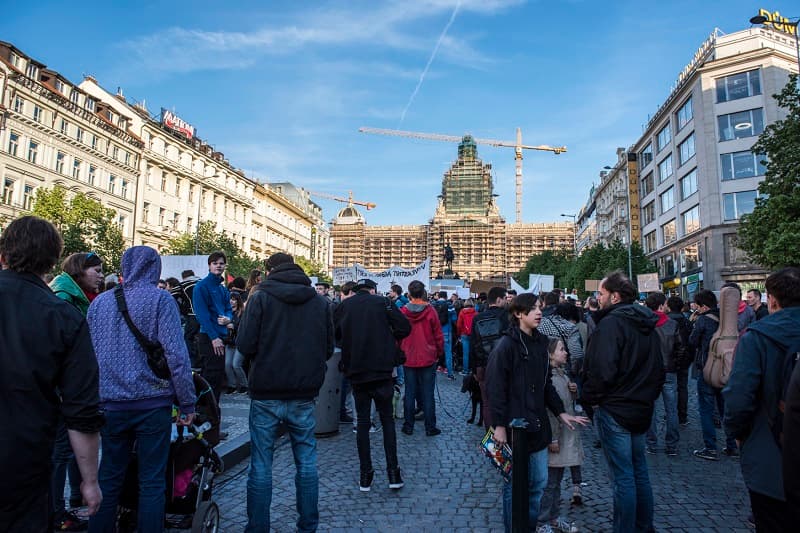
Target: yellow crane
(349, 200)
(517, 146)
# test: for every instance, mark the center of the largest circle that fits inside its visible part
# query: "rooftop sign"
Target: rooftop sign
(175, 123)
(778, 22)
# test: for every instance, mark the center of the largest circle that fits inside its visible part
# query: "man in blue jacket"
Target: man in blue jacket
(212, 307)
(754, 392)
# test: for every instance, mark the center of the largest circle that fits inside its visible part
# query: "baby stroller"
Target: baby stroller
(191, 467)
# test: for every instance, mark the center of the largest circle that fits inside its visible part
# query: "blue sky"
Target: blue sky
(282, 87)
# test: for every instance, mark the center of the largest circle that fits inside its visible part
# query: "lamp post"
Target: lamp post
(574, 233)
(762, 20)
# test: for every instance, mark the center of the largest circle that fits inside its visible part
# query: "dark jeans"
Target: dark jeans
(343, 399)
(627, 468)
(707, 397)
(265, 418)
(480, 375)
(190, 331)
(551, 499)
(150, 430)
(381, 392)
(537, 482)
(683, 395)
(212, 365)
(771, 515)
(30, 513)
(420, 384)
(63, 461)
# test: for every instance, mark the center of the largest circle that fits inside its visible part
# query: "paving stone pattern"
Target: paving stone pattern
(449, 486)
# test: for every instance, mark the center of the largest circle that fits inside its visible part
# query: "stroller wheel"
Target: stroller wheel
(206, 519)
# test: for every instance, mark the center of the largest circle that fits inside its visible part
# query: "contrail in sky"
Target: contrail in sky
(430, 60)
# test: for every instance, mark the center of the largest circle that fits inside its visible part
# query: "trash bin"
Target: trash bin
(326, 412)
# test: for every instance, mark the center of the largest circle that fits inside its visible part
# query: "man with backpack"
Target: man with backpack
(755, 396)
(487, 328)
(675, 305)
(447, 317)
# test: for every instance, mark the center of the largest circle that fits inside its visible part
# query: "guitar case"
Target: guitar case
(721, 351)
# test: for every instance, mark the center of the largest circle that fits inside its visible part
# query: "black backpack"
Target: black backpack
(489, 330)
(183, 295)
(786, 368)
(443, 312)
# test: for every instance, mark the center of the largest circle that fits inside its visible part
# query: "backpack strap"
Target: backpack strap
(146, 344)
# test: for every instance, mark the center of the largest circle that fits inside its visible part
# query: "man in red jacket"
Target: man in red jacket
(422, 348)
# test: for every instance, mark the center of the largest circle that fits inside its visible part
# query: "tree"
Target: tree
(207, 240)
(313, 268)
(84, 223)
(769, 234)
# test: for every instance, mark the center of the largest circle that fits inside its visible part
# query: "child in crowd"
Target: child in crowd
(565, 448)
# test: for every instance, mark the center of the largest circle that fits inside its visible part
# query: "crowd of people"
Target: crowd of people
(92, 363)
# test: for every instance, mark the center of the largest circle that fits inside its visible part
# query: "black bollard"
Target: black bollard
(519, 476)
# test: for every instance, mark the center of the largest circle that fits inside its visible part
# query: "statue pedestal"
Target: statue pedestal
(449, 274)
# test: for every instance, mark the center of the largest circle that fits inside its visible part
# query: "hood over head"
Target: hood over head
(288, 283)
(141, 265)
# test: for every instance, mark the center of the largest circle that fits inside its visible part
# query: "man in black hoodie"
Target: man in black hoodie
(622, 376)
(287, 334)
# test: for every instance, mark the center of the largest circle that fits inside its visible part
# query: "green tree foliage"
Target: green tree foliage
(769, 235)
(85, 224)
(208, 240)
(593, 263)
(312, 268)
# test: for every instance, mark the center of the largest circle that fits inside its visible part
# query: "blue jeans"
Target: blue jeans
(707, 396)
(419, 390)
(627, 468)
(265, 417)
(150, 429)
(465, 352)
(447, 331)
(234, 368)
(537, 481)
(669, 393)
(63, 462)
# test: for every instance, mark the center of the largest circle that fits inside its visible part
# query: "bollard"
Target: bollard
(519, 476)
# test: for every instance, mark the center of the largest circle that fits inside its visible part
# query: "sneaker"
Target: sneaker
(418, 414)
(407, 431)
(433, 432)
(451, 376)
(577, 497)
(242, 390)
(731, 452)
(650, 450)
(464, 373)
(544, 528)
(395, 481)
(374, 428)
(560, 524)
(69, 521)
(672, 452)
(706, 453)
(345, 419)
(365, 482)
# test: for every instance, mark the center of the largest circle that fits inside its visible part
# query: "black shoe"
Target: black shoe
(242, 390)
(407, 431)
(731, 452)
(672, 452)
(418, 414)
(223, 435)
(433, 432)
(230, 390)
(684, 423)
(345, 419)
(395, 481)
(365, 482)
(69, 521)
(706, 453)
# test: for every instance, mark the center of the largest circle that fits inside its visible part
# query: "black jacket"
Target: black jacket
(519, 385)
(623, 369)
(46, 348)
(368, 330)
(700, 338)
(286, 332)
(477, 356)
(684, 329)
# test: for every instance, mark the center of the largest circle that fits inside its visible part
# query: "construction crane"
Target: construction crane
(349, 200)
(517, 146)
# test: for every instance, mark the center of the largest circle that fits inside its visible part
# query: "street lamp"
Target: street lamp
(574, 233)
(762, 20)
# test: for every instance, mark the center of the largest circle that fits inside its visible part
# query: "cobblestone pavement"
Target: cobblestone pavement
(449, 486)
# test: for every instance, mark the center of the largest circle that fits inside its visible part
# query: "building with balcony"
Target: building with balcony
(611, 202)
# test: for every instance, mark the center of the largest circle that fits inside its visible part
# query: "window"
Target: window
(690, 257)
(59, 86)
(115, 152)
(738, 165)
(646, 155)
(685, 114)
(163, 181)
(64, 127)
(161, 213)
(112, 183)
(175, 221)
(146, 212)
(73, 95)
(667, 200)
(189, 224)
(738, 203)
(649, 213)
(740, 125)
(94, 142)
(60, 162)
(686, 149)
(89, 103)
(91, 175)
(76, 168)
(738, 86)
(178, 188)
(27, 197)
(33, 151)
(15, 60)
(8, 191)
(668, 231)
(19, 105)
(647, 185)
(32, 71)
(689, 184)
(122, 222)
(124, 191)
(691, 220)
(665, 168)
(126, 157)
(666, 266)
(37, 113)
(79, 134)
(663, 137)
(13, 143)
(650, 242)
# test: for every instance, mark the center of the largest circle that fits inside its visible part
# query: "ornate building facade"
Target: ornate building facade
(466, 218)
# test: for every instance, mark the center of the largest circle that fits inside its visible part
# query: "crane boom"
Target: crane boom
(349, 200)
(517, 146)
